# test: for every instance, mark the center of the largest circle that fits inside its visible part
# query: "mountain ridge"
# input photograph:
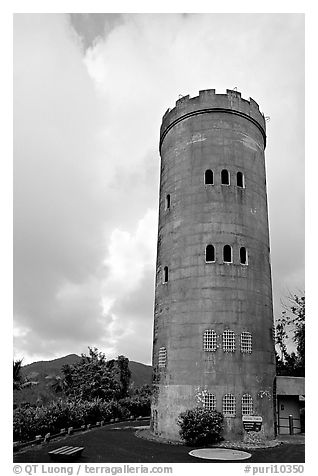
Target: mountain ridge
(140, 373)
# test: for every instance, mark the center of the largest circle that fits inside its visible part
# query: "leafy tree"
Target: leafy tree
(121, 370)
(124, 374)
(57, 383)
(291, 324)
(144, 391)
(17, 377)
(19, 381)
(95, 377)
(138, 402)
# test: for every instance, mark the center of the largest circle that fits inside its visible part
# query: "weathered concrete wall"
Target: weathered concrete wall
(290, 385)
(212, 132)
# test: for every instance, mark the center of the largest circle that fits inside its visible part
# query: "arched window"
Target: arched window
(165, 274)
(247, 404)
(209, 401)
(167, 201)
(246, 343)
(225, 177)
(228, 341)
(209, 254)
(162, 357)
(243, 255)
(227, 254)
(229, 405)
(208, 177)
(209, 340)
(240, 179)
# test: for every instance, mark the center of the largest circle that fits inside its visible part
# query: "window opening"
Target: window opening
(225, 177)
(246, 343)
(209, 340)
(209, 254)
(247, 404)
(209, 401)
(165, 274)
(227, 254)
(240, 179)
(243, 255)
(208, 177)
(168, 201)
(228, 341)
(229, 405)
(162, 357)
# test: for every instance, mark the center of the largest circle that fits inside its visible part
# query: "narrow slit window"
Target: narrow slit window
(229, 405)
(209, 340)
(208, 177)
(240, 179)
(247, 404)
(162, 360)
(209, 254)
(165, 274)
(209, 401)
(168, 201)
(225, 177)
(227, 254)
(243, 255)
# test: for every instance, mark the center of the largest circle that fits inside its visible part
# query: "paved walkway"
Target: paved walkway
(117, 443)
(298, 439)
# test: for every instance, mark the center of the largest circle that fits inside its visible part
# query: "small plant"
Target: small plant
(200, 426)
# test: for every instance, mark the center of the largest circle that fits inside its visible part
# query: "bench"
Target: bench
(66, 453)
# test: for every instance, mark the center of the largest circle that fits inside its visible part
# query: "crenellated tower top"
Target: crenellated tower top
(208, 102)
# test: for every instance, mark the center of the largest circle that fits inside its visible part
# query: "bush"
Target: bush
(200, 426)
(30, 421)
(137, 405)
(116, 410)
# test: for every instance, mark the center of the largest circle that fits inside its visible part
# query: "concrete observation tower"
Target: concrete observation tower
(213, 320)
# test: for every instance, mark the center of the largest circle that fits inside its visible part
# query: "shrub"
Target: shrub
(30, 421)
(200, 426)
(137, 405)
(116, 410)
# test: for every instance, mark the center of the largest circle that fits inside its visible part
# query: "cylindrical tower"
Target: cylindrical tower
(213, 320)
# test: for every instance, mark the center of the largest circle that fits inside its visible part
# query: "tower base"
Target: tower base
(171, 400)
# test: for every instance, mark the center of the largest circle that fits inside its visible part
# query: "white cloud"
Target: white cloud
(131, 253)
(131, 263)
(86, 133)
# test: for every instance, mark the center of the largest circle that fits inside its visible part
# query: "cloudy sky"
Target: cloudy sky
(89, 94)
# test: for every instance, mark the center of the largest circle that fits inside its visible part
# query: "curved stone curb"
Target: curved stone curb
(147, 435)
(249, 446)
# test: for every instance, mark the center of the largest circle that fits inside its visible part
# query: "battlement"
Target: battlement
(209, 101)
